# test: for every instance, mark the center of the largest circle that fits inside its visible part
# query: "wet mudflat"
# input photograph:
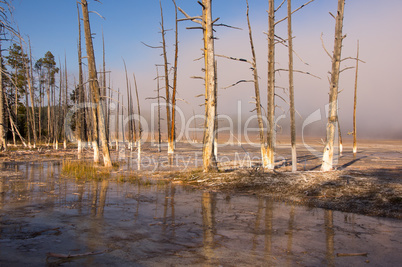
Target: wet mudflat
(159, 223)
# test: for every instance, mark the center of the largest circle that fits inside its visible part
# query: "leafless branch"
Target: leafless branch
(97, 14)
(346, 58)
(228, 26)
(187, 16)
(323, 46)
(280, 5)
(347, 68)
(299, 71)
(151, 46)
(241, 81)
(234, 58)
(297, 9)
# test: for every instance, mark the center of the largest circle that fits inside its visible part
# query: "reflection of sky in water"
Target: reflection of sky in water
(168, 224)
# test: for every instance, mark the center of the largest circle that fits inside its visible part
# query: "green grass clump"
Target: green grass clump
(84, 170)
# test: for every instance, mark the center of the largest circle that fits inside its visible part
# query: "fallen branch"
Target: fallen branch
(351, 254)
(65, 256)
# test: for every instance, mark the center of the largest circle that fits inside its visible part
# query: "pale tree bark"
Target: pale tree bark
(117, 120)
(139, 125)
(209, 160)
(167, 96)
(65, 102)
(355, 103)
(327, 159)
(264, 155)
(271, 86)
(291, 90)
(81, 112)
(95, 86)
(172, 139)
(159, 110)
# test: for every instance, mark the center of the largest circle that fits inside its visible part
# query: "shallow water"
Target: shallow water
(167, 224)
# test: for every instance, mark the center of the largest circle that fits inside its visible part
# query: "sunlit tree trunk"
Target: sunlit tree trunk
(167, 96)
(291, 90)
(271, 86)
(355, 103)
(327, 159)
(95, 86)
(81, 112)
(264, 155)
(209, 160)
(172, 139)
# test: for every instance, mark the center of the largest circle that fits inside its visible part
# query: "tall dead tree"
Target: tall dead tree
(94, 84)
(355, 103)
(172, 139)
(327, 158)
(80, 126)
(271, 86)
(206, 22)
(167, 86)
(291, 90)
(209, 160)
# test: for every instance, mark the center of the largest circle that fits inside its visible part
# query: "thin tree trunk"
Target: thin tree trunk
(169, 128)
(81, 112)
(95, 85)
(3, 140)
(172, 139)
(271, 85)
(65, 102)
(264, 155)
(327, 159)
(139, 125)
(159, 110)
(209, 160)
(117, 120)
(130, 122)
(355, 103)
(291, 90)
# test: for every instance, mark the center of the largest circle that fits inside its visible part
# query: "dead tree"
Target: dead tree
(167, 86)
(327, 159)
(206, 22)
(209, 160)
(172, 139)
(271, 86)
(139, 124)
(291, 90)
(355, 103)
(80, 125)
(95, 86)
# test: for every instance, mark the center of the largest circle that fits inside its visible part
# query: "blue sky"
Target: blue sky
(52, 26)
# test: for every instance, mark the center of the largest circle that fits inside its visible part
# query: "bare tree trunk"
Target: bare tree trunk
(339, 134)
(172, 139)
(355, 103)
(65, 102)
(48, 110)
(3, 141)
(291, 90)
(271, 85)
(209, 160)
(139, 125)
(95, 85)
(163, 32)
(81, 112)
(31, 94)
(117, 120)
(264, 155)
(159, 111)
(327, 159)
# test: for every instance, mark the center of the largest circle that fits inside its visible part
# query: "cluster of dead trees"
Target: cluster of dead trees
(25, 87)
